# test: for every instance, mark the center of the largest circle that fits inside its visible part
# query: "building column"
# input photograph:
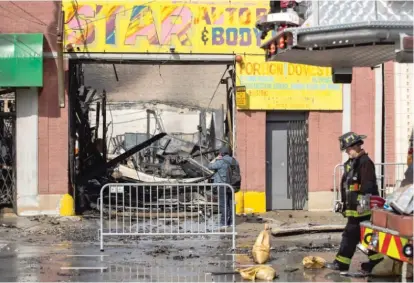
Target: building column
(27, 151)
(378, 114)
(346, 113)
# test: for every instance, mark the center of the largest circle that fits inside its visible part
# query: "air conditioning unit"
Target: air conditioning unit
(404, 49)
(342, 76)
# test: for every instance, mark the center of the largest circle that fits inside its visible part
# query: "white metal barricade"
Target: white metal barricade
(199, 271)
(169, 209)
(389, 177)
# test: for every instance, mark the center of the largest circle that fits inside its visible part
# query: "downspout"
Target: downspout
(229, 117)
(384, 185)
(60, 64)
(72, 127)
(379, 123)
(234, 107)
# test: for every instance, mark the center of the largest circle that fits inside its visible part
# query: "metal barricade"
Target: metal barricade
(389, 177)
(201, 271)
(172, 209)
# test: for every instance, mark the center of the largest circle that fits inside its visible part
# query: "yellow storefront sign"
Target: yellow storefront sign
(241, 96)
(225, 27)
(285, 86)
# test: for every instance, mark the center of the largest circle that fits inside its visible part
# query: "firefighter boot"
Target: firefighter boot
(369, 266)
(337, 266)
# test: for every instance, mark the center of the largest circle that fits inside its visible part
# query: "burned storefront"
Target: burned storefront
(267, 116)
(145, 148)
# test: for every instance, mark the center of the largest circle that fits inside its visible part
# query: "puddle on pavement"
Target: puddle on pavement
(176, 263)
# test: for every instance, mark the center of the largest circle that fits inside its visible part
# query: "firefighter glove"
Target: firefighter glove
(339, 207)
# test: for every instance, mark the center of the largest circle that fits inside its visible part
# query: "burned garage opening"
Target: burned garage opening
(141, 123)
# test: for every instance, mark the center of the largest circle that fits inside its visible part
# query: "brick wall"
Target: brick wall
(44, 20)
(389, 146)
(324, 129)
(41, 17)
(363, 112)
(363, 106)
(389, 88)
(53, 135)
(251, 149)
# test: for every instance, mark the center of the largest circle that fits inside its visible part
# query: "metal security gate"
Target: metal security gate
(7, 152)
(298, 163)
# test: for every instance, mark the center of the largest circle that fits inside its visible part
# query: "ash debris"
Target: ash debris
(146, 157)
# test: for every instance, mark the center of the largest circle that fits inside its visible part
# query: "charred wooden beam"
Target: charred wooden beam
(104, 126)
(101, 169)
(90, 95)
(88, 99)
(98, 108)
(86, 147)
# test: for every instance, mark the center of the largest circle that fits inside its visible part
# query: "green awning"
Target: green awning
(21, 60)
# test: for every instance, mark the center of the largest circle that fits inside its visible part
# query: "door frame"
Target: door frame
(282, 117)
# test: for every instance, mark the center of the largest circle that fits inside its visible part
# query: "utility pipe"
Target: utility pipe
(60, 64)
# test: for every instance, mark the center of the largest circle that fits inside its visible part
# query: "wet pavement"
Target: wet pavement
(47, 249)
(147, 261)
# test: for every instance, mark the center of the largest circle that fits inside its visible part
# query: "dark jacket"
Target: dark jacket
(359, 179)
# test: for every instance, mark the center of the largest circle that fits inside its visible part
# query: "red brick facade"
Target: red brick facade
(324, 129)
(53, 120)
(53, 135)
(44, 19)
(363, 106)
(389, 88)
(251, 149)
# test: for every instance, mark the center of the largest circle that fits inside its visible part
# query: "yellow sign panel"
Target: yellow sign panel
(285, 86)
(224, 27)
(241, 96)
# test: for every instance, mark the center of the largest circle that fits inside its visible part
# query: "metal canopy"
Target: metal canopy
(347, 57)
(346, 45)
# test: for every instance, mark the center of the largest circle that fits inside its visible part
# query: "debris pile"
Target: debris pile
(150, 157)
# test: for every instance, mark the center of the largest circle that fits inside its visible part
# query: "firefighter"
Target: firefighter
(358, 183)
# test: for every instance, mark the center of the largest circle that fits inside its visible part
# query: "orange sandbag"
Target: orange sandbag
(260, 272)
(261, 248)
(314, 262)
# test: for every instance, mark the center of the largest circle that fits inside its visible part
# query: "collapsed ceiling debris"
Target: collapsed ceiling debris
(150, 157)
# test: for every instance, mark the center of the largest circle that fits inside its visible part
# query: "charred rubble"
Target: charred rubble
(150, 157)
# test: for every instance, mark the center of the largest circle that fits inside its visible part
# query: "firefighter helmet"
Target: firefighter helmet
(350, 139)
